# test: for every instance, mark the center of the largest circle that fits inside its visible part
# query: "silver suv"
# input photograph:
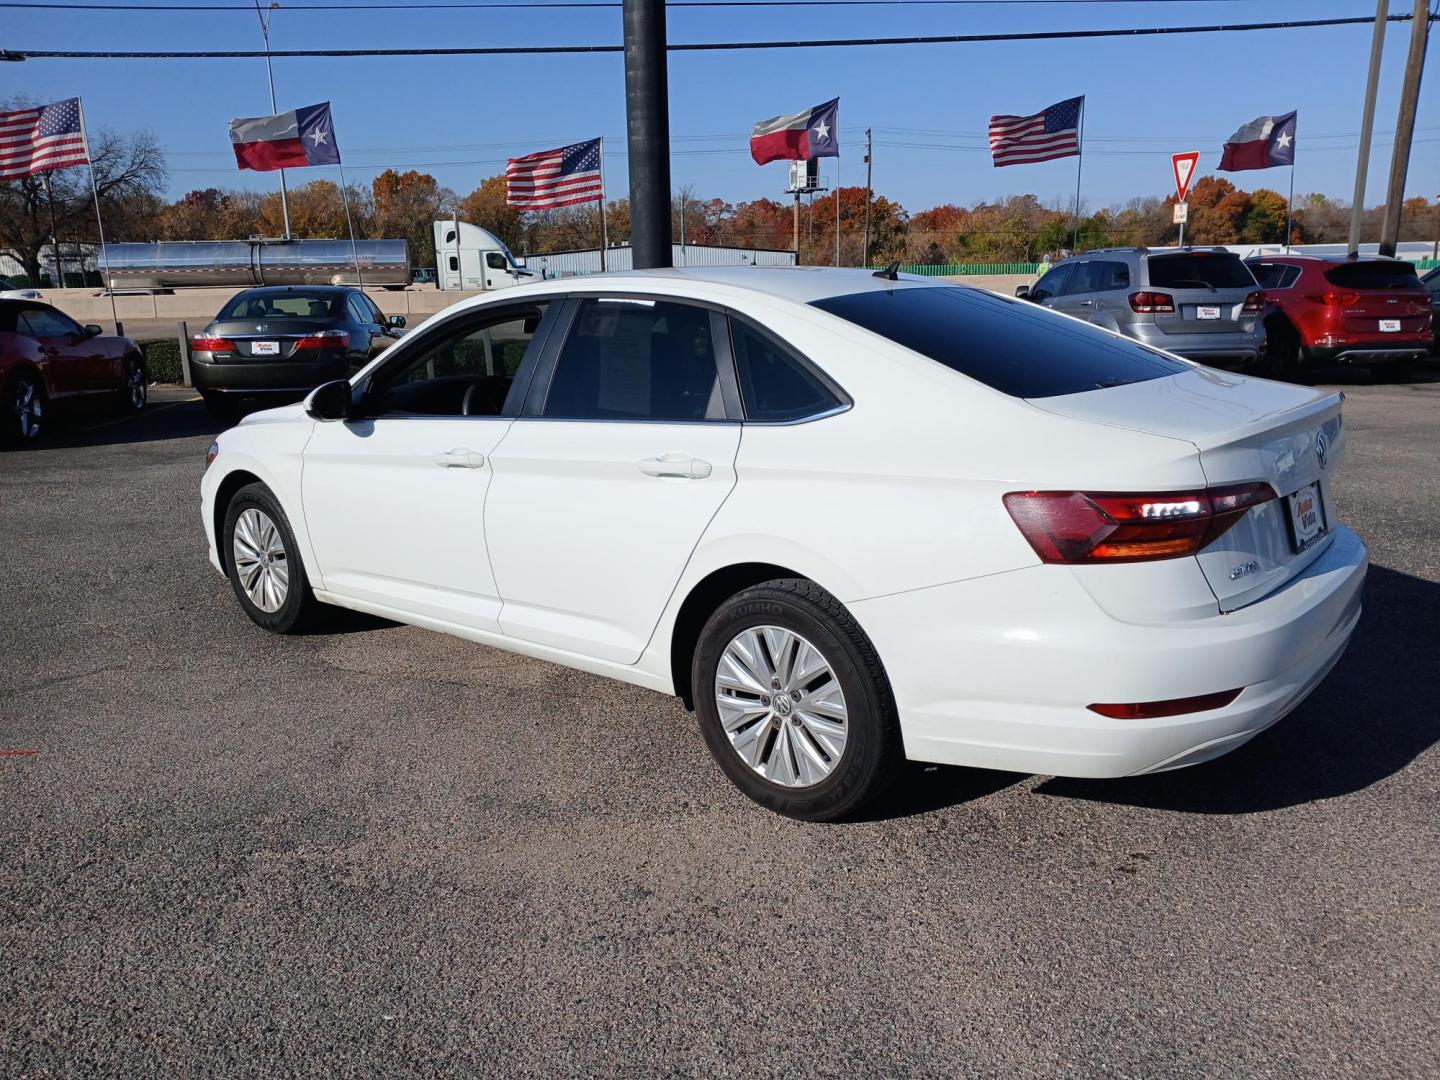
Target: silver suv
(1202, 303)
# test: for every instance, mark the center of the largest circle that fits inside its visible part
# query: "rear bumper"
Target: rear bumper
(1236, 345)
(1369, 352)
(997, 672)
(241, 377)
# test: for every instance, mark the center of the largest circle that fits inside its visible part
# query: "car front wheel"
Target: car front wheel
(135, 390)
(263, 564)
(25, 412)
(794, 703)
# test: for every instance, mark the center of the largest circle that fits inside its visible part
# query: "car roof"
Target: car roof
(282, 290)
(801, 284)
(1335, 260)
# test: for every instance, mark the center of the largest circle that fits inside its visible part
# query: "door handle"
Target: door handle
(1086, 303)
(460, 458)
(681, 465)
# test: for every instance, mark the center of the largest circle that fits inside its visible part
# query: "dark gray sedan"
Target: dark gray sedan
(280, 342)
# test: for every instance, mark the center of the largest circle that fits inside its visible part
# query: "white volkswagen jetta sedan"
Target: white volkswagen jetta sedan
(848, 518)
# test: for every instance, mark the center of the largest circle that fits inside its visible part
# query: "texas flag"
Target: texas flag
(288, 140)
(1263, 143)
(801, 137)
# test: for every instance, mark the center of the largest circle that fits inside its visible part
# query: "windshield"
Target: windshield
(1199, 270)
(1373, 275)
(1012, 346)
(286, 305)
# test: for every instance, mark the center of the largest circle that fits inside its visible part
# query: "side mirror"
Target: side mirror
(329, 401)
(396, 321)
(1022, 292)
(91, 330)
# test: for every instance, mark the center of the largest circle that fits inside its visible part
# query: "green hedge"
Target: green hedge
(162, 358)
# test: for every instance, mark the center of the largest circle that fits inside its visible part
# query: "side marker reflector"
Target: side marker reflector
(1150, 710)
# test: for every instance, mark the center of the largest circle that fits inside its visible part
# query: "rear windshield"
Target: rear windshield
(289, 305)
(1199, 270)
(1010, 345)
(1374, 275)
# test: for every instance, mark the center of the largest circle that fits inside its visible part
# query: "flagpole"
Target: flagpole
(349, 221)
(270, 75)
(604, 227)
(1290, 208)
(1079, 164)
(99, 223)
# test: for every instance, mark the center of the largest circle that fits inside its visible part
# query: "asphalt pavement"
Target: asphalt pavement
(380, 851)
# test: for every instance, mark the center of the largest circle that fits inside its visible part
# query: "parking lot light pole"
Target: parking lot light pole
(647, 117)
(1405, 129)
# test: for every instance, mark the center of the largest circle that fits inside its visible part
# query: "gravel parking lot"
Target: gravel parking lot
(382, 851)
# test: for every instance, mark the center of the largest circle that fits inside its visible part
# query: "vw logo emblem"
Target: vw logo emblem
(1322, 448)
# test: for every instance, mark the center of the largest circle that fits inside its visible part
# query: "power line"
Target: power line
(501, 5)
(704, 46)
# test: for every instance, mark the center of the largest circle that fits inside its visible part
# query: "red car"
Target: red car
(1368, 311)
(49, 362)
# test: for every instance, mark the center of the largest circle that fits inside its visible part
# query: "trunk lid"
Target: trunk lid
(1209, 289)
(1245, 430)
(267, 339)
(1378, 297)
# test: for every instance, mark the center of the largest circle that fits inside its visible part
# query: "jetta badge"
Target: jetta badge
(1322, 448)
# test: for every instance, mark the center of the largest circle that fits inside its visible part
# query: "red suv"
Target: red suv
(1364, 311)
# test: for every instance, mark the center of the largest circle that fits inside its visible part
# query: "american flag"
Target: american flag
(550, 178)
(35, 140)
(1054, 133)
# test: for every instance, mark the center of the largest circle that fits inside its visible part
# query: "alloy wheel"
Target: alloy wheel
(781, 706)
(260, 561)
(135, 383)
(29, 409)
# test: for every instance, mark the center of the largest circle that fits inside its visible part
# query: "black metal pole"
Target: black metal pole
(647, 111)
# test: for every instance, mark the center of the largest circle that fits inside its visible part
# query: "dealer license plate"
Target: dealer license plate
(1389, 326)
(265, 348)
(1207, 311)
(1307, 516)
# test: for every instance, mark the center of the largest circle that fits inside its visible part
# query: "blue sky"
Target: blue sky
(459, 118)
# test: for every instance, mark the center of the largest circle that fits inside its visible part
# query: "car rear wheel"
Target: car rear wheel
(794, 703)
(263, 564)
(25, 408)
(1282, 351)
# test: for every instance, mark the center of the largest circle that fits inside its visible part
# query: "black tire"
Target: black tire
(23, 409)
(299, 607)
(135, 389)
(872, 753)
(1282, 351)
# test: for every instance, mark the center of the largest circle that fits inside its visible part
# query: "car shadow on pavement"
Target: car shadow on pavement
(173, 418)
(923, 788)
(1377, 711)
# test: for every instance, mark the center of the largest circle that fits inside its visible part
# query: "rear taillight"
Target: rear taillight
(1254, 303)
(1336, 299)
(1077, 527)
(1146, 302)
(324, 339)
(205, 343)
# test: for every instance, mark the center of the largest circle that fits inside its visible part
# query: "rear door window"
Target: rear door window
(1373, 275)
(775, 384)
(637, 360)
(1199, 270)
(1014, 347)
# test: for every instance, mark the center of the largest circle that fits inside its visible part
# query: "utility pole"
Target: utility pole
(264, 18)
(647, 121)
(865, 250)
(1367, 124)
(1405, 129)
